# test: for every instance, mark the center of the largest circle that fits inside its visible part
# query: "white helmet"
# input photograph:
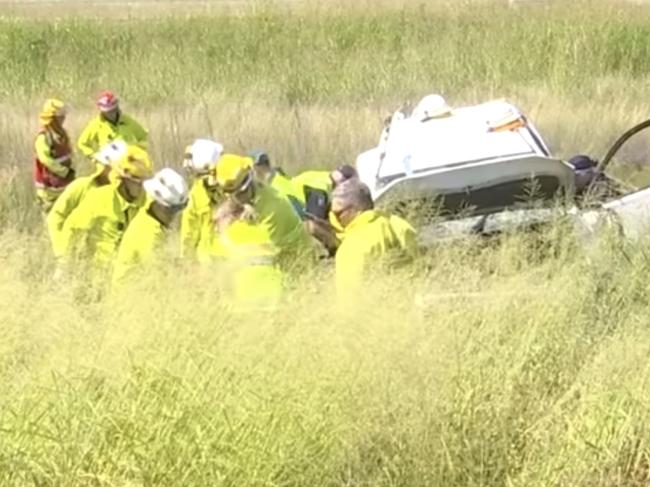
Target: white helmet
(111, 152)
(202, 156)
(168, 188)
(431, 106)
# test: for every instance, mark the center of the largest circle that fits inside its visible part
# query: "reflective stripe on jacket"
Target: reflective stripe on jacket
(250, 256)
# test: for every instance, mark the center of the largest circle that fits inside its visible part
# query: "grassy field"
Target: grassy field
(518, 362)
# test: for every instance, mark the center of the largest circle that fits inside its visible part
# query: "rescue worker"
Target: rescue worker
(277, 179)
(197, 233)
(250, 256)
(319, 220)
(94, 229)
(111, 124)
(371, 240)
(340, 175)
(77, 190)
(53, 169)
(268, 208)
(145, 235)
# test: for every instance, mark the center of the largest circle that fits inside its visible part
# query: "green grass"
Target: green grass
(304, 57)
(518, 362)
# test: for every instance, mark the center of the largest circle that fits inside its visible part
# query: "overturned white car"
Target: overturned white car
(486, 169)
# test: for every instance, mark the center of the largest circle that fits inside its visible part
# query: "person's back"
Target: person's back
(138, 246)
(76, 191)
(250, 257)
(370, 244)
(283, 225)
(64, 206)
(373, 243)
(94, 229)
(143, 240)
(284, 186)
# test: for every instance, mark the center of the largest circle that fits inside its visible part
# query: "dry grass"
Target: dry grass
(521, 361)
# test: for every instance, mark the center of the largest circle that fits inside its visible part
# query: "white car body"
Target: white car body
(486, 161)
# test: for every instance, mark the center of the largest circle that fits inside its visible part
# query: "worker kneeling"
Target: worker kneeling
(93, 231)
(265, 206)
(249, 255)
(145, 236)
(372, 240)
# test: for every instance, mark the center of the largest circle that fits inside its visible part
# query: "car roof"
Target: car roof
(463, 137)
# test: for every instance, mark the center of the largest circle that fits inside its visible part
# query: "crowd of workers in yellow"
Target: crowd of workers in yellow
(238, 210)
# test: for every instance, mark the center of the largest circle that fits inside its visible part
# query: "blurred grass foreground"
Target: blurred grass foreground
(520, 362)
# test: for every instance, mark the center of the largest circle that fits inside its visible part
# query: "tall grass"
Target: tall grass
(488, 367)
(521, 361)
(338, 56)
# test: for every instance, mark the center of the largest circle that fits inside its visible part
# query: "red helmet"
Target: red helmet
(107, 101)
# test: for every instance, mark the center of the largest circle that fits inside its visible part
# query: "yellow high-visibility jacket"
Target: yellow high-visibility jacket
(100, 132)
(197, 228)
(406, 235)
(313, 179)
(284, 227)
(94, 229)
(53, 170)
(64, 205)
(283, 185)
(370, 242)
(59, 166)
(143, 237)
(250, 258)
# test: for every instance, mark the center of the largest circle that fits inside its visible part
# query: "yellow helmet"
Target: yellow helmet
(135, 164)
(232, 172)
(51, 109)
